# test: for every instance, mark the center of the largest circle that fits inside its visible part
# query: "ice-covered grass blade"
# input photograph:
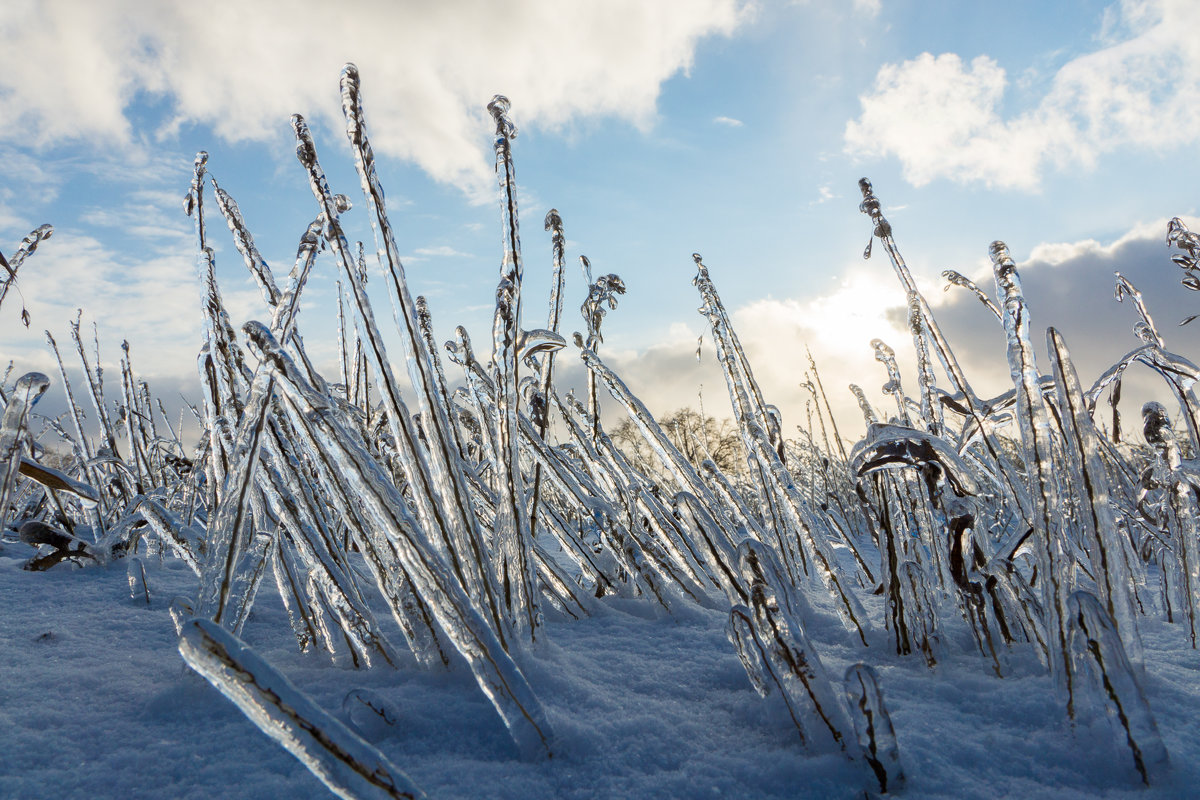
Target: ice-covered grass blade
(347, 765)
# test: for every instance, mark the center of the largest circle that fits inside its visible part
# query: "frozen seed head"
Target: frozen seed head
(1156, 423)
(499, 108)
(871, 207)
(998, 250)
(352, 102)
(306, 152)
(553, 221)
(32, 385)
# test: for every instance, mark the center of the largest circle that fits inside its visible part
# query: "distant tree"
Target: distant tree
(697, 438)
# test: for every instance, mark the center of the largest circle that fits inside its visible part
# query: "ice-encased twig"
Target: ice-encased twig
(512, 534)
(346, 764)
(26, 248)
(716, 552)
(802, 520)
(290, 498)
(929, 328)
(736, 365)
(342, 459)
(791, 663)
(680, 468)
(1049, 523)
(81, 443)
(95, 389)
(466, 550)
(873, 725)
(227, 530)
(244, 242)
(1090, 481)
(558, 243)
(1183, 510)
(956, 278)
(1096, 648)
(290, 584)
(184, 540)
(13, 434)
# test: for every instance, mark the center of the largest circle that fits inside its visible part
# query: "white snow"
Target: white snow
(95, 702)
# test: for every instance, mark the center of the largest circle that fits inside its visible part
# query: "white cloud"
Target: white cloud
(869, 7)
(943, 118)
(728, 121)
(128, 299)
(75, 71)
(443, 251)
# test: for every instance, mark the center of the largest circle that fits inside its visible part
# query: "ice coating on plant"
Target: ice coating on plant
(14, 434)
(954, 278)
(873, 726)
(393, 534)
(1182, 511)
(345, 763)
(446, 485)
(1090, 481)
(1049, 529)
(795, 667)
(1096, 650)
(26, 248)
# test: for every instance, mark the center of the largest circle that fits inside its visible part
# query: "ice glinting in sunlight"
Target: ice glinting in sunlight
(958, 530)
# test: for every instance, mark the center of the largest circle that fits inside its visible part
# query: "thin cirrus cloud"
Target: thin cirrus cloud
(941, 117)
(428, 68)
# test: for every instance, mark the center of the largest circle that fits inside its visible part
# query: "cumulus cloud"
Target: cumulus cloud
(943, 117)
(80, 71)
(1070, 286)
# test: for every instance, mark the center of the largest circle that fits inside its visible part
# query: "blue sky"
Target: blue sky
(658, 129)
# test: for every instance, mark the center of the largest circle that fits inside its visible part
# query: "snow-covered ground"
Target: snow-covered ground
(95, 702)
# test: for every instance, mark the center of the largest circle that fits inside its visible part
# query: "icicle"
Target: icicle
(340, 758)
